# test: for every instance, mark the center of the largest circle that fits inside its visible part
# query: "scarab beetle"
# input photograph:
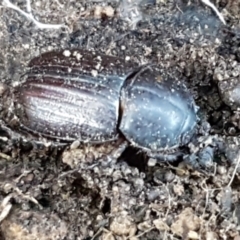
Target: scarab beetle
(84, 95)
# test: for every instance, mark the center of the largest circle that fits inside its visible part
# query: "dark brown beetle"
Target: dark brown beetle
(78, 94)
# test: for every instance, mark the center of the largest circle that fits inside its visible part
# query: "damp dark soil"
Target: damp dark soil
(52, 193)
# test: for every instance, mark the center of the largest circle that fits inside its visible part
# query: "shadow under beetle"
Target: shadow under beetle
(82, 95)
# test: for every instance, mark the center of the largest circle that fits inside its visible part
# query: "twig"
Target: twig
(141, 234)
(30, 16)
(5, 156)
(5, 207)
(211, 5)
(169, 201)
(235, 169)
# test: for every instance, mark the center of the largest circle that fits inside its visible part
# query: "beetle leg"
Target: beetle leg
(202, 159)
(111, 158)
(116, 153)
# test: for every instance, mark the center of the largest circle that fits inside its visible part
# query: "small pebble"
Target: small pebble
(193, 235)
(75, 144)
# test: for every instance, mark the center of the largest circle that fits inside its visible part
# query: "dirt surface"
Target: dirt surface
(52, 193)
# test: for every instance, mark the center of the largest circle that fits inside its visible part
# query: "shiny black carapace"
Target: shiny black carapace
(84, 95)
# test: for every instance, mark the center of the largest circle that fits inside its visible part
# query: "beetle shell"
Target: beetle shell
(72, 95)
(91, 97)
(157, 113)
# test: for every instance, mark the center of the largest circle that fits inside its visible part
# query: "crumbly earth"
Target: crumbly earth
(53, 193)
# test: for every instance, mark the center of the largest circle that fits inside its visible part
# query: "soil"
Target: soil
(58, 193)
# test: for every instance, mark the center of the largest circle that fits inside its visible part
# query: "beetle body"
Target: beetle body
(95, 98)
(69, 97)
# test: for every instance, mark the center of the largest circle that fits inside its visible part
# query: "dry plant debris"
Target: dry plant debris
(29, 15)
